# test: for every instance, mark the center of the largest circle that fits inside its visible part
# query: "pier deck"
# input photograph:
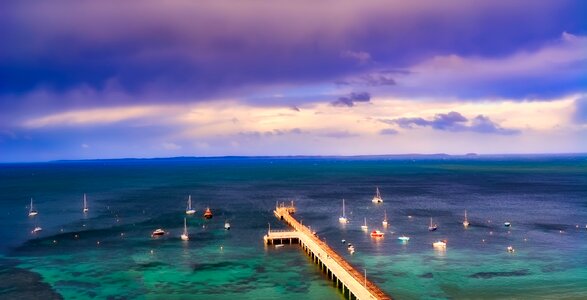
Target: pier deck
(353, 283)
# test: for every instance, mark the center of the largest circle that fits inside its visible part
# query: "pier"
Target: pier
(351, 282)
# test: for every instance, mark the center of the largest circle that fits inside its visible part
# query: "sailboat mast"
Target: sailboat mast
(343, 214)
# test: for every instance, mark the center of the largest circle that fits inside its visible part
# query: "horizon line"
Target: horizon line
(404, 155)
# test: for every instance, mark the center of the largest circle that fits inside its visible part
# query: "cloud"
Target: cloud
(85, 146)
(388, 131)
(455, 122)
(374, 79)
(338, 134)
(170, 146)
(350, 100)
(580, 114)
(360, 56)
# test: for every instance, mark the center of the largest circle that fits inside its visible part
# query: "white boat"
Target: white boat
(343, 219)
(185, 236)
(279, 245)
(507, 224)
(385, 219)
(364, 226)
(226, 225)
(377, 233)
(511, 249)
(32, 211)
(404, 238)
(158, 232)
(466, 221)
(377, 198)
(36, 229)
(439, 244)
(86, 209)
(351, 248)
(432, 227)
(189, 210)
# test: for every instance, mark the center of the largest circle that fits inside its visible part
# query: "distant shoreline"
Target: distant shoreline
(337, 157)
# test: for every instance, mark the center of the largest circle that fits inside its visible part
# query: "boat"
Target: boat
(377, 198)
(86, 209)
(185, 236)
(511, 249)
(364, 226)
(377, 233)
(351, 248)
(226, 225)
(32, 211)
(439, 245)
(432, 227)
(279, 245)
(189, 210)
(466, 221)
(158, 232)
(404, 238)
(36, 229)
(343, 219)
(208, 213)
(385, 219)
(343, 241)
(507, 224)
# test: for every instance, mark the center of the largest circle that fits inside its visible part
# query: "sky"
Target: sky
(110, 79)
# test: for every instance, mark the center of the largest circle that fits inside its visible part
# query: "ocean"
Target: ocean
(108, 253)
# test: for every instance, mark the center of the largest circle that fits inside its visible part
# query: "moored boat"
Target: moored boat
(226, 225)
(403, 238)
(364, 227)
(384, 223)
(507, 224)
(439, 244)
(32, 211)
(343, 219)
(185, 236)
(466, 221)
(158, 232)
(86, 209)
(36, 229)
(189, 210)
(208, 213)
(377, 233)
(432, 226)
(377, 198)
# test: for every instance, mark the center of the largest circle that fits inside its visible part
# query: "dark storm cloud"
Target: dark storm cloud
(455, 122)
(350, 100)
(186, 51)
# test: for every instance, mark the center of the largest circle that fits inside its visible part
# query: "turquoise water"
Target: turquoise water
(109, 252)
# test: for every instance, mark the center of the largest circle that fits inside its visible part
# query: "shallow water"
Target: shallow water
(545, 198)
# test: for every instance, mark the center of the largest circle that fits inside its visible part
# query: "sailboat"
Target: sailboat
(343, 219)
(432, 227)
(377, 198)
(36, 229)
(364, 226)
(385, 219)
(466, 221)
(86, 209)
(189, 210)
(184, 235)
(32, 211)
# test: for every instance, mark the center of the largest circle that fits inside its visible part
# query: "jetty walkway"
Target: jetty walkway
(353, 284)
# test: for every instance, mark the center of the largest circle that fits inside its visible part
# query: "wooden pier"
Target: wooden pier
(351, 282)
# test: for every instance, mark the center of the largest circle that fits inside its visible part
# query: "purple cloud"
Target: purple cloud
(388, 131)
(349, 101)
(453, 121)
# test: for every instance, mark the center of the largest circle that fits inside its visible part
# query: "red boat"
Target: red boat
(377, 233)
(208, 213)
